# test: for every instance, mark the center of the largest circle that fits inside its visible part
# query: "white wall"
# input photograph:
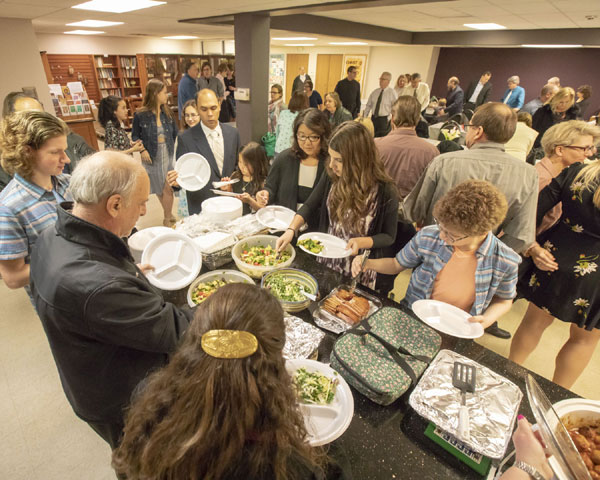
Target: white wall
(21, 66)
(92, 44)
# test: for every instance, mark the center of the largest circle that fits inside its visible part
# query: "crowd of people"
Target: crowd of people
(478, 226)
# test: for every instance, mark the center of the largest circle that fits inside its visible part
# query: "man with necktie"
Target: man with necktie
(380, 103)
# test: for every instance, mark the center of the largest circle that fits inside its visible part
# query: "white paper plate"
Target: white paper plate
(447, 318)
(140, 239)
(193, 171)
(227, 182)
(275, 217)
(328, 422)
(224, 193)
(176, 261)
(334, 247)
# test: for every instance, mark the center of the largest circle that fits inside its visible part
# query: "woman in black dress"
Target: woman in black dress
(563, 283)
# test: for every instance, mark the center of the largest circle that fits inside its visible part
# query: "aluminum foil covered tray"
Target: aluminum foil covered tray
(301, 338)
(492, 407)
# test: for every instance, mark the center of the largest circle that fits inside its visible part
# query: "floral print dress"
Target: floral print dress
(571, 293)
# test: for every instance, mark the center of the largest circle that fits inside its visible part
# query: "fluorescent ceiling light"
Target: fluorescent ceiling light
(83, 32)
(299, 44)
(294, 38)
(348, 43)
(93, 23)
(117, 6)
(485, 26)
(552, 46)
(181, 37)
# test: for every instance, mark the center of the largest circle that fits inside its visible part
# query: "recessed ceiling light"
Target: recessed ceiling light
(294, 38)
(299, 44)
(552, 46)
(117, 6)
(348, 43)
(180, 37)
(93, 23)
(83, 32)
(485, 26)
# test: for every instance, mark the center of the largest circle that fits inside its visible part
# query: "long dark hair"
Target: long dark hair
(149, 104)
(106, 110)
(212, 418)
(256, 159)
(189, 103)
(316, 121)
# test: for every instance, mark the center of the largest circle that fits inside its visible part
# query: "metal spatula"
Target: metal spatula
(464, 378)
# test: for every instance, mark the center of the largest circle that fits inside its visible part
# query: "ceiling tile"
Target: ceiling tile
(19, 10)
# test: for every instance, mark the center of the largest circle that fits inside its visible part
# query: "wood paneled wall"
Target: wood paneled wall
(83, 65)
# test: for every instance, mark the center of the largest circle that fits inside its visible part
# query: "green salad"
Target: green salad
(263, 256)
(285, 288)
(206, 289)
(314, 246)
(314, 387)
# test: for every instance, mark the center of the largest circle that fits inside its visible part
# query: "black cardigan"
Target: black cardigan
(282, 182)
(382, 229)
(543, 119)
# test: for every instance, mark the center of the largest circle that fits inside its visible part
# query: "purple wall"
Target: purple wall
(574, 67)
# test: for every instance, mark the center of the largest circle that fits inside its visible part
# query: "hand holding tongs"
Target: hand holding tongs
(365, 257)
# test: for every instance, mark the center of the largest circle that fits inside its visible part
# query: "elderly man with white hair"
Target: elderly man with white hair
(380, 103)
(107, 326)
(514, 96)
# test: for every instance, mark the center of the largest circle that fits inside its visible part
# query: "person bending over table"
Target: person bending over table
(358, 201)
(459, 260)
(224, 407)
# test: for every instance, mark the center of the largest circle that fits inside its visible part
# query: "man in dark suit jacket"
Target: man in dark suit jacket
(479, 92)
(455, 97)
(298, 85)
(217, 142)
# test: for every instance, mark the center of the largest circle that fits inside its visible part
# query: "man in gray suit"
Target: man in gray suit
(219, 143)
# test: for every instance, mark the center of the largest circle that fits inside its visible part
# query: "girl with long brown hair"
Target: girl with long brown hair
(224, 407)
(358, 201)
(154, 124)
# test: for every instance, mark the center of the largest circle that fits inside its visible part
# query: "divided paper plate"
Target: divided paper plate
(176, 261)
(333, 247)
(325, 423)
(140, 239)
(275, 217)
(447, 318)
(193, 171)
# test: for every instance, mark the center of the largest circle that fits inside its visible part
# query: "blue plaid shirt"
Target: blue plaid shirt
(427, 253)
(26, 210)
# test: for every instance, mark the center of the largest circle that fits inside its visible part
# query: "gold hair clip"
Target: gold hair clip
(229, 343)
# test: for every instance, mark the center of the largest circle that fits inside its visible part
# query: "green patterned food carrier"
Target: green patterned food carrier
(385, 354)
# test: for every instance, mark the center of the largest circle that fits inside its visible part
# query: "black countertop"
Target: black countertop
(389, 442)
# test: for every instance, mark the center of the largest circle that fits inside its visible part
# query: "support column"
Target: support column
(252, 71)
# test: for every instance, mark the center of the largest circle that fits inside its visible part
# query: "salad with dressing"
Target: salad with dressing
(206, 289)
(263, 256)
(314, 246)
(314, 387)
(285, 288)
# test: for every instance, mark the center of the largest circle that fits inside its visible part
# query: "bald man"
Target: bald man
(107, 326)
(218, 142)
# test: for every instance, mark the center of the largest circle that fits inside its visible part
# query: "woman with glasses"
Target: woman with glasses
(276, 105)
(459, 260)
(355, 200)
(563, 282)
(295, 171)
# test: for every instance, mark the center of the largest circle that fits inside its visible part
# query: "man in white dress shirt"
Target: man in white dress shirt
(380, 103)
(419, 90)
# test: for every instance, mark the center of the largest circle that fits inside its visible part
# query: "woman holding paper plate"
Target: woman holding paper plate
(357, 200)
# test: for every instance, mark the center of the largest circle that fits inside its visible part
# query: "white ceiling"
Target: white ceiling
(50, 16)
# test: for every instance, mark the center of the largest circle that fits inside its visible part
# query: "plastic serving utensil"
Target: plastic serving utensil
(463, 378)
(365, 257)
(309, 295)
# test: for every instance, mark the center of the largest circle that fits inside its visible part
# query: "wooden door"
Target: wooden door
(329, 72)
(293, 62)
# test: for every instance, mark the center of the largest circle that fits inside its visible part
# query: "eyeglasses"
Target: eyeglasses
(450, 236)
(310, 138)
(191, 115)
(588, 148)
(274, 92)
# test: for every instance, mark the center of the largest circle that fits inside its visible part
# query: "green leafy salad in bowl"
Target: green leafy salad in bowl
(314, 246)
(263, 256)
(314, 387)
(286, 289)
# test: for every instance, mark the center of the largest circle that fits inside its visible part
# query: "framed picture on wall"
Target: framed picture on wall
(358, 61)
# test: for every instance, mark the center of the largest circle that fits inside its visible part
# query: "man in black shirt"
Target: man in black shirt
(349, 91)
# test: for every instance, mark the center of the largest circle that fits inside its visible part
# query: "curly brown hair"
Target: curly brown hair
(21, 134)
(213, 418)
(473, 207)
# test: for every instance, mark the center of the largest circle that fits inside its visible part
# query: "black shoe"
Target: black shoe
(496, 331)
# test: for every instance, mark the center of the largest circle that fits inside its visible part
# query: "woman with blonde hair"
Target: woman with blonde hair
(560, 108)
(224, 408)
(335, 111)
(563, 282)
(401, 87)
(154, 124)
(356, 199)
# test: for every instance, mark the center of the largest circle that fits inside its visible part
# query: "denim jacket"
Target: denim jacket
(144, 128)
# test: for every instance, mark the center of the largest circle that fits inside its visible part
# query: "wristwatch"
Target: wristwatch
(529, 469)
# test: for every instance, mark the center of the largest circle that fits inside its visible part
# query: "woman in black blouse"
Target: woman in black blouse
(111, 112)
(296, 170)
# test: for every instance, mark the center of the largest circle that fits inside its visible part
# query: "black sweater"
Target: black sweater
(543, 119)
(382, 229)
